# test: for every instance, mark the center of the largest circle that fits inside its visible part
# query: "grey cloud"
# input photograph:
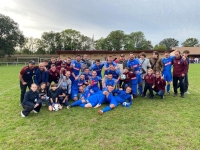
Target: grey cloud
(158, 19)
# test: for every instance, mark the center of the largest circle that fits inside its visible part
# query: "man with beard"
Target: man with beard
(76, 67)
(156, 63)
(180, 68)
(26, 78)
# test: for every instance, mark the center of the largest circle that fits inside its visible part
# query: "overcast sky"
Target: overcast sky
(157, 19)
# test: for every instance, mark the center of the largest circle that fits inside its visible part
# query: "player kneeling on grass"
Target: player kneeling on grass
(160, 84)
(43, 94)
(79, 81)
(120, 98)
(149, 83)
(63, 95)
(53, 98)
(31, 101)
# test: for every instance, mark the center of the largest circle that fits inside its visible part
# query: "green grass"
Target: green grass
(172, 123)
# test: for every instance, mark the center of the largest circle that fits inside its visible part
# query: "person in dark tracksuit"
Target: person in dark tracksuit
(31, 101)
(26, 78)
(41, 75)
(180, 68)
(149, 83)
(186, 83)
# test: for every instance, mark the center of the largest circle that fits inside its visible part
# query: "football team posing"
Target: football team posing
(56, 82)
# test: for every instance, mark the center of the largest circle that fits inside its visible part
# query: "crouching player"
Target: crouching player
(63, 95)
(94, 80)
(31, 101)
(149, 83)
(53, 97)
(114, 101)
(108, 80)
(160, 84)
(43, 94)
(79, 81)
(126, 81)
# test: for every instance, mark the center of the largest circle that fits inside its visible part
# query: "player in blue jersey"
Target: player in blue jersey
(108, 80)
(84, 94)
(133, 63)
(79, 81)
(115, 73)
(87, 75)
(97, 66)
(93, 100)
(167, 66)
(94, 80)
(76, 67)
(110, 62)
(114, 101)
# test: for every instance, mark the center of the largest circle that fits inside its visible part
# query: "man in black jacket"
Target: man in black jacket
(31, 101)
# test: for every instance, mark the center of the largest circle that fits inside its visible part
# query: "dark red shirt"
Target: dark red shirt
(27, 73)
(68, 67)
(180, 67)
(128, 76)
(149, 79)
(160, 84)
(54, 75)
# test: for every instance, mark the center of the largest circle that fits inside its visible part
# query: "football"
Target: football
(55, 107)
(123, 76)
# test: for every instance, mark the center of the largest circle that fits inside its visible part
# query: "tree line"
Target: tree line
(13, 41)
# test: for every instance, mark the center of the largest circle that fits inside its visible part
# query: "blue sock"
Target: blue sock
(140, 89)
(108, 108)
(66, 103)
(82, 105)
(76, 103)
(168, 87)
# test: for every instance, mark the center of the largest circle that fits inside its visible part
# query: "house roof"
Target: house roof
(193, 50)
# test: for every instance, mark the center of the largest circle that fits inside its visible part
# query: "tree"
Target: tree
(137, 41)
(10, 36)
(160, 47)
(71, 39)
(115, 40)
(190, 42)
(40, 46)
(86, 43)
(169, 43)
(100, 44)
(29, 45)
(48, 39)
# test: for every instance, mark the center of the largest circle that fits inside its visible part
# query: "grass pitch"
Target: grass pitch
(172, 123)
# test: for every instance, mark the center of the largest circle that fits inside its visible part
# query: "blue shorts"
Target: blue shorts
(74, 93)
(92, 101)
(167, 76)
(114, 102)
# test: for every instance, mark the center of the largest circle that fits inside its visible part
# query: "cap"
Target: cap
(32, 62)
(122, 55)
(64, 85)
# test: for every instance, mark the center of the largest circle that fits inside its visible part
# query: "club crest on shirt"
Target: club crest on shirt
(179, 62)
